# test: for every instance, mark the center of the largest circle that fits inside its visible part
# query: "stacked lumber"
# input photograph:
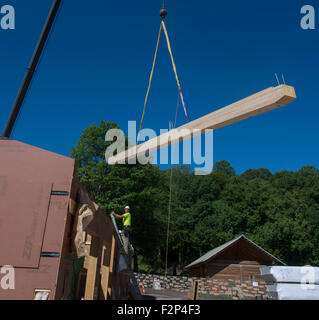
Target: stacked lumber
(291, 283)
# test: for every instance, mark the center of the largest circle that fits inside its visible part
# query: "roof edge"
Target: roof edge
(232, 242)
(269, 254)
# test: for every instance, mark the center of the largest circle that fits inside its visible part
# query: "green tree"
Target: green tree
(113, 187)
(279, 211)
(224, 166)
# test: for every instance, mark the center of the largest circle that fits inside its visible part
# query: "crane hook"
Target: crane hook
(163, 12)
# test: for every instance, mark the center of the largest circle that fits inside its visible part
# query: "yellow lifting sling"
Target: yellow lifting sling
(163, 14)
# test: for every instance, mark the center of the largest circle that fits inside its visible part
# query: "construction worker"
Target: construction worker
(126, 220)
(126, 225)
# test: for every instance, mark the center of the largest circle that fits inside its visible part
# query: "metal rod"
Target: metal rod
(283, 78)
(31, 69)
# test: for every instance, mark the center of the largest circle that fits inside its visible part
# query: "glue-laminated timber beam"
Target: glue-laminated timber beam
(261, 102)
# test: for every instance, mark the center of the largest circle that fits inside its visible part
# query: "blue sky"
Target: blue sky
(97, 63)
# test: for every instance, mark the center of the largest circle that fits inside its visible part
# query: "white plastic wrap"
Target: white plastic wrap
(281, 274)
(293, 291)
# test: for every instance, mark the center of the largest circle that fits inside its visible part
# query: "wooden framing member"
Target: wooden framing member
(193, 293)
(99, 265)
(72, 206)
(105, 269)
(92, 266)
(111, 270)
(261, 102)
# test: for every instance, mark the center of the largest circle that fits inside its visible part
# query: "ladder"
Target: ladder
(133, 285)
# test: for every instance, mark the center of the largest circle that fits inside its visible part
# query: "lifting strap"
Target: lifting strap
(152, 72)
(174, 68)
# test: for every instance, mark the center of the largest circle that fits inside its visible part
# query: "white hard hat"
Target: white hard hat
(127, 207)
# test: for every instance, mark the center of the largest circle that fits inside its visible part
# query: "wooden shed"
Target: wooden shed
(239, 259)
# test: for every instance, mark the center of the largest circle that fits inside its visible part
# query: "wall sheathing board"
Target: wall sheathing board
(34, 192)
(38, 211)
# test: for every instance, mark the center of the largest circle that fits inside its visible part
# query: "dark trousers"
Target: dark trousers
(127, 231)
(125, 238)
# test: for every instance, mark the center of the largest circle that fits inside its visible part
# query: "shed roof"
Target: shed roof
(214, 252)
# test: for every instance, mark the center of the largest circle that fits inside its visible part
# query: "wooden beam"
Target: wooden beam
(111, 269)
(72, 206)
(92, 266)
(264, 101)
(105, 269)
(193, 293)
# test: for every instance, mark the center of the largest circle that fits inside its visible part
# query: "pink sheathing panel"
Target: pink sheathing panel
(23, 214)
(54, 232)
(32, 220)
(26, 280)
(24, 162)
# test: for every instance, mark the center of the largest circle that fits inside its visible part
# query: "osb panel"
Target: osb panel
(24, 209)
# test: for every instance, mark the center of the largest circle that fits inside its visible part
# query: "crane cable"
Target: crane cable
(163, 14)
(170, 194)
(162, 27)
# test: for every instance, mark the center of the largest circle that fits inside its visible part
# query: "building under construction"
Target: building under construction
(60, 243)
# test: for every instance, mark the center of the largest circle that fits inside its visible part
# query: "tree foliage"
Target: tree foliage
(279, 211)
